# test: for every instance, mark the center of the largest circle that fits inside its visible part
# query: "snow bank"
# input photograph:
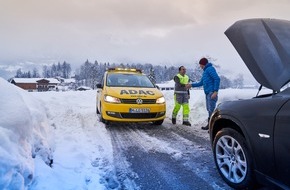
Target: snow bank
(24, 134)
(83, 153)
(198, 114)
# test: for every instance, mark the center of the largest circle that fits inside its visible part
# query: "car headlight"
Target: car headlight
(160, 100)
(111, 99)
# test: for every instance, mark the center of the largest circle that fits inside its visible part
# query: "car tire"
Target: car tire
(232, 159)
(101, 116)
(159, 122)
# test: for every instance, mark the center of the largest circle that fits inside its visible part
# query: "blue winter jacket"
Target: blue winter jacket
(209, 80)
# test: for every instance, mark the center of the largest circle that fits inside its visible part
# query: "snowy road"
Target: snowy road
(164, 157)
(90, 155)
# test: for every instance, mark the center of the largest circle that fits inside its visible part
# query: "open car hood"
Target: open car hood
(264, 46)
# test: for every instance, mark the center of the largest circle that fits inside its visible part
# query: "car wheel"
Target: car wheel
(97, 110)
(101, 116)
(232, 159)
(159, 122)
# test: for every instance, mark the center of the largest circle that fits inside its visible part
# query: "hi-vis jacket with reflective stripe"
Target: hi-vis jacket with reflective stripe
(180, 82)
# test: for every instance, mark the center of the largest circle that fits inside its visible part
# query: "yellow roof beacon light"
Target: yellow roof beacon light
(124, 69)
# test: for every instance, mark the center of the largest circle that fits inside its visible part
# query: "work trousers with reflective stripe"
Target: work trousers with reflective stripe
(181, 100)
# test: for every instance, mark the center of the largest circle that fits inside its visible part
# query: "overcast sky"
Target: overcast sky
(161, 32)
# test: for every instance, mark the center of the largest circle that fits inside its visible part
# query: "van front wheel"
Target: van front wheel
(159, 122)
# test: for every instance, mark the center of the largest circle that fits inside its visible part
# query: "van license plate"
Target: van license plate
(139, 110)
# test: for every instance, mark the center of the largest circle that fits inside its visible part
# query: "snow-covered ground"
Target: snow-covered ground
(40, 126)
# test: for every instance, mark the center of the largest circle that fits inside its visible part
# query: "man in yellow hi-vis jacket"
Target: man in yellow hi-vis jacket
(181, 96)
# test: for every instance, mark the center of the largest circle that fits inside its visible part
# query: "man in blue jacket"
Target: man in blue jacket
(210, 82)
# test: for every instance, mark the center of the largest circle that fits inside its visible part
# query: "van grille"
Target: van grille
(133, 101)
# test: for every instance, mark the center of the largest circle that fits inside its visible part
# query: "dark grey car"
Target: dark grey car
(251, 138)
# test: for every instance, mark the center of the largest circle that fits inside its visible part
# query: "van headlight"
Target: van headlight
(160, 100)
(111, 99)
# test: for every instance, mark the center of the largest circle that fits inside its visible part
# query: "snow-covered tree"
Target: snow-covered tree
(18, 73)
(238, 82)
(224, 82)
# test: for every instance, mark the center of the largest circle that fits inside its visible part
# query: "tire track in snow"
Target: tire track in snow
(125, 176)
(196, 151)
(150, 155)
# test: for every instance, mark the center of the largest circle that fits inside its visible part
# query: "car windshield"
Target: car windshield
(128, 80)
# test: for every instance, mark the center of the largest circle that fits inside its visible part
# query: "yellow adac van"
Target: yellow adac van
(128, 95)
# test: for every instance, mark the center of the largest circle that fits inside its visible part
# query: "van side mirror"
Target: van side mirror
(99, 85)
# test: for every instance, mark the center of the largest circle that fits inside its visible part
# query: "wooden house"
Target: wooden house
(36, 84)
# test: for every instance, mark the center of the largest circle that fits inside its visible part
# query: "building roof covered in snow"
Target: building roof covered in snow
(34, 80)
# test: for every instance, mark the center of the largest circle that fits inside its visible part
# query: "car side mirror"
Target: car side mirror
(99, 85)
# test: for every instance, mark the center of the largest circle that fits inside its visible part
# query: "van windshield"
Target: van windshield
(128, 80)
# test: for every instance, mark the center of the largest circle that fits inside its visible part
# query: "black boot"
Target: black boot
(187, 123)
(173, 120)
(206, 127)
